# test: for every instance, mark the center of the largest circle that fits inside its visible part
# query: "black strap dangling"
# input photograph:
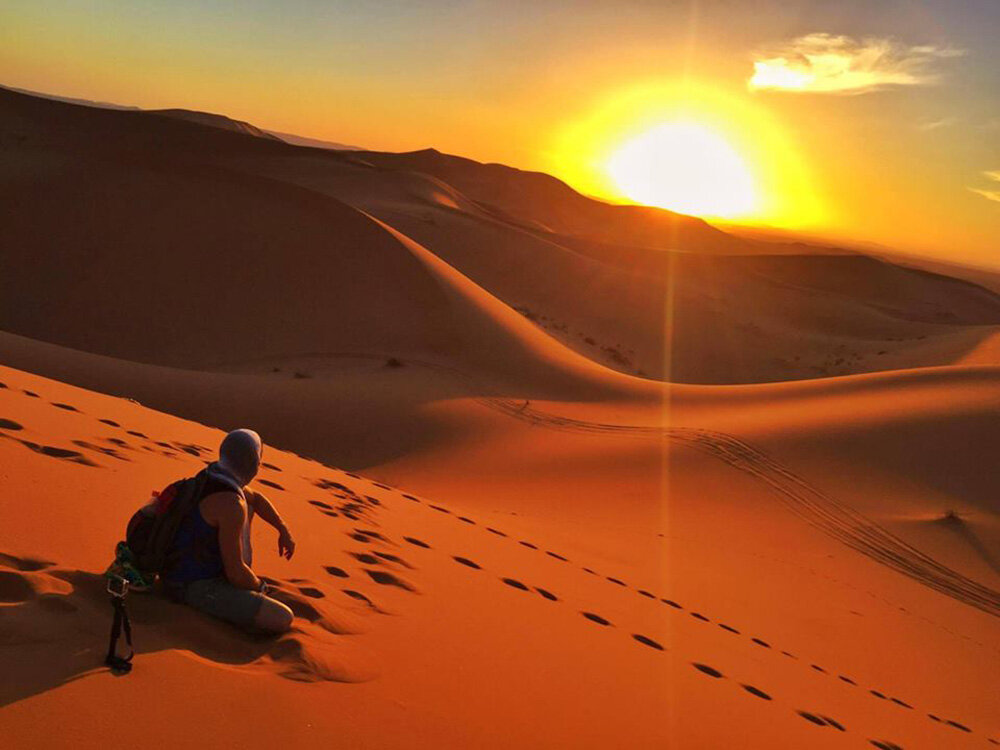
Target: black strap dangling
(120, 664)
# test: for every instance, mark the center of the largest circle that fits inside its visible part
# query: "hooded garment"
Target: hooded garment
(240, 454)
(239, 459)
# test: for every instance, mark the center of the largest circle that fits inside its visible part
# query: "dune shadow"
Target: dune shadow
(964, 530)
(54, 626)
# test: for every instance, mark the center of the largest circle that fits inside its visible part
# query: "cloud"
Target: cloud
(992, 195)
(832, 64)
(944, 122)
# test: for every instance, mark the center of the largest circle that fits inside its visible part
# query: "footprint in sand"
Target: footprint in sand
(100, 449)
(617, 581)
(759, 642)
(67, 407)
(699, 616)
(729, 628)
(822, 721)
(335, 571)
(10, 424)
(595, 618)
(321, 504)
(495, 531)
(373, 534)
(529, 545)
(705, 669)
(30, 394)
(312, 592)
(646, 641)
(111, 422)
(411, 497)
(359, 596)
(394, 559)
(136, 433)
(26, 564)
(463, 519)
(364, 558)
(269, 483)
(885, 745)
(671, 603)
(438, 507)
(557, 556)
(756, 691)
(329, 484)
(416, 542)
(54, 452)
(382, 486)
(467, 562)
(272, 467)
(513, 582)
(386, 578)
(647, 594)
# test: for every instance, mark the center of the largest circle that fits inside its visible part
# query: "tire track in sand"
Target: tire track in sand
(810, 503)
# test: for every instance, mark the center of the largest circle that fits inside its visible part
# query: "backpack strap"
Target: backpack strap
(118, 587)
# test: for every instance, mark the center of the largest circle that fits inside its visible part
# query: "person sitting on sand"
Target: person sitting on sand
(210, 557)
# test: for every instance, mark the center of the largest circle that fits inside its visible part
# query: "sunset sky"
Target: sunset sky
(868, 120)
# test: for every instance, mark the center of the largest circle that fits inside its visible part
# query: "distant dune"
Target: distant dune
(637, 289)
(213, 121)
(301, 140)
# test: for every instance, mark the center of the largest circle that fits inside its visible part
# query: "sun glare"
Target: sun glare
(685, 167)
(690, 147)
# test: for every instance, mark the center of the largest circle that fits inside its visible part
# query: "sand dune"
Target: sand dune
(596, 286)
(503, 541)
(214, 121)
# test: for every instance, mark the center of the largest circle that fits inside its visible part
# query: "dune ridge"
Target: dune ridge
(740, 310)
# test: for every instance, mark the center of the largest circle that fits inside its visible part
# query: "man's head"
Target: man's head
(240, 454)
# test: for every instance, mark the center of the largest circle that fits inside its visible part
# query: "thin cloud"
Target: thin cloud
(832, 64)
(991, 195)
(944, 122)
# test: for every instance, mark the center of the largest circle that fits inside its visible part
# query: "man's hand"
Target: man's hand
(286, 545)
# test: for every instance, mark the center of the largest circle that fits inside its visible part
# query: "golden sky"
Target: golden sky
(868, 121)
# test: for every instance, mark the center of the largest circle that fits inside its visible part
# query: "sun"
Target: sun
(690, 147)
(686, 167)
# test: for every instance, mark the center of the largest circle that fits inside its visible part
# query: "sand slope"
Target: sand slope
(647, 604)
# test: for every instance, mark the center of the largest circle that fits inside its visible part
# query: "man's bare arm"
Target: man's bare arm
(263, 508)
(231, 516)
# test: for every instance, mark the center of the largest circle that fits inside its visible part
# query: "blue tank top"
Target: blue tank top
(195, 553)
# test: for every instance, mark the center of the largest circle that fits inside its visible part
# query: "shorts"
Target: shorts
(219, 598)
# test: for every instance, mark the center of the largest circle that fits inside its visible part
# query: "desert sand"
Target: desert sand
(757, 511)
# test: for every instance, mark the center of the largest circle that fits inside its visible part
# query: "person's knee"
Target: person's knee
(274, 617)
